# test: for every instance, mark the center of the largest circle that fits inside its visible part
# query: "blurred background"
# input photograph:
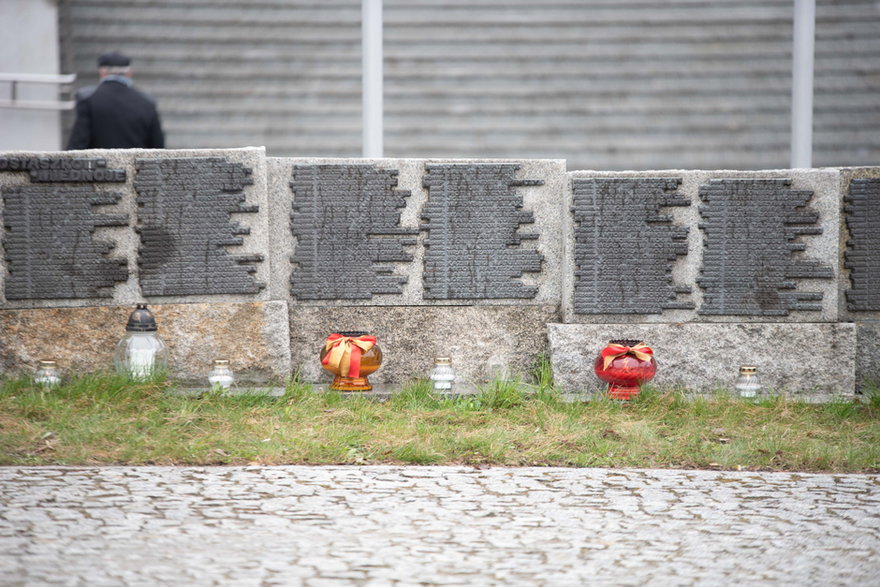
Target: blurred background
(605, 84)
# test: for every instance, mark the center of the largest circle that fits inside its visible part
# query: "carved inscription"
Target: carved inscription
(751, 258)
(185, 224)
(346, 220)
(51, 252)
(863, 252)
(473, 217)
(63, 169)
(624, 248)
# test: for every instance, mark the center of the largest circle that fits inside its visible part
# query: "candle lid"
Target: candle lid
(141, 320)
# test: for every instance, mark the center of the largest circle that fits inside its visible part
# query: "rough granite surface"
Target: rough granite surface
(817, 360)
(480, 340)
(252, 336)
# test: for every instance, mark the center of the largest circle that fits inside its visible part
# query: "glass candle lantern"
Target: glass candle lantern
(496, 368)
(47, 374)
(442, 375)
(221, 375)
(141, 353)
(747, 382)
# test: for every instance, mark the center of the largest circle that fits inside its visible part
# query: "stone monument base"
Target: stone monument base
(252, 335)
(478, 339)
(804, 359)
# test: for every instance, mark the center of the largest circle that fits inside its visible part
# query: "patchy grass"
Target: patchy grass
(104, 419)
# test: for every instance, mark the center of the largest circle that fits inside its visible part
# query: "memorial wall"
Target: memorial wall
(490, 262)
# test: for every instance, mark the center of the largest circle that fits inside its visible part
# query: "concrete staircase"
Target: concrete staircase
(227, 73)
(623, 84)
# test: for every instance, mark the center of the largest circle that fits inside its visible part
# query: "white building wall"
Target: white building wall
(29, 44)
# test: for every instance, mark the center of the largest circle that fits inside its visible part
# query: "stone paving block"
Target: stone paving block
(720, 527)
(815, 361)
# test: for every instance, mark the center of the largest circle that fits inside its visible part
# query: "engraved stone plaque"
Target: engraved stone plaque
(51, 252)
(185, 224)
(863, 248)
(473, 218)
(64, 169)
(624, 247)
(752, 257)
(346, 220)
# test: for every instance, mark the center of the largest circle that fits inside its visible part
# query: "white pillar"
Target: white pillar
(803, 49)
(371, 32)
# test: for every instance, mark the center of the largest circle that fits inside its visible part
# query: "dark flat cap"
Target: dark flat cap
(114, 59)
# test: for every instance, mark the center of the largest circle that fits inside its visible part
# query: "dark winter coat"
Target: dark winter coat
(113, 115)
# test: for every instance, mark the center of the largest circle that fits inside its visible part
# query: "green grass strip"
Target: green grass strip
(105, 419)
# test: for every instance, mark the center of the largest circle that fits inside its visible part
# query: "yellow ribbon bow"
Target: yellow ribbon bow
(344, 356)
(612, 351)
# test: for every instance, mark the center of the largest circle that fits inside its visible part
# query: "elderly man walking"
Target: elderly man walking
(114, 114)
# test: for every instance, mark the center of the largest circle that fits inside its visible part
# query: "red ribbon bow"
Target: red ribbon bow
(612, 351)
(344, 353)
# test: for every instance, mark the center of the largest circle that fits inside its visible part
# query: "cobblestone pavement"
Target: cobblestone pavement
(435, 525)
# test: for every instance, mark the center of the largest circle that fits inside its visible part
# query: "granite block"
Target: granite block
(761, 246)
(814, 360)
(252, 335)
(149, 225)
(480, 340)
(416, 231)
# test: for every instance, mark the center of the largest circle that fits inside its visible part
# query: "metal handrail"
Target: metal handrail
(13, 79)
(38, 78)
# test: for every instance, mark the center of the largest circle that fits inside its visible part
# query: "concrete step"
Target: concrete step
(197, 33)
(196, 56)
(283, 144)
(119, 5)
(537, 13)
(296, 14)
